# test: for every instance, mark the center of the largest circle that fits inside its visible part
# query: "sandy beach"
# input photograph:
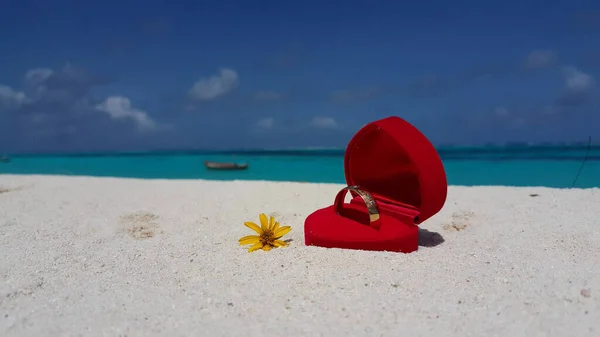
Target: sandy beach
(87, 256)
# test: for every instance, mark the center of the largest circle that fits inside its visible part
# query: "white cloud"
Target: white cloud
(118, 107)
(349, 96)
(322, 122)
(551, 110)
(266, 123)
(541, 59)
(579, 88)
(38, 75)
(38, 118)
(501, 111)
(11, 99)
(576, 80)
(210, 88)
(267, 95)
(59, 99)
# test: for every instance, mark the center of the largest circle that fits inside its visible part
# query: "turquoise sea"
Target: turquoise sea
(551, 166)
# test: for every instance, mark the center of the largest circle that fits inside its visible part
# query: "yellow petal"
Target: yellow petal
(266, 248)
(282, 231)
(271, 222)
(275, 226)
(264, 222)
(279, 243)
(253, 227)
(255, 246)
(250, 239)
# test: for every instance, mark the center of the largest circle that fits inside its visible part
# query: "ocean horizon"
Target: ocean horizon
(559, 166)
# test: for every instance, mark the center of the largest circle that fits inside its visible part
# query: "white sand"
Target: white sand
(76, 262)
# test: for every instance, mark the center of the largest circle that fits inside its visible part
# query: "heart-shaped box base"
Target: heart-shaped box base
(326, 228)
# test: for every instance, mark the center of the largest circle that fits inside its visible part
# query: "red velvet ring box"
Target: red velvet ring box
(400, 168)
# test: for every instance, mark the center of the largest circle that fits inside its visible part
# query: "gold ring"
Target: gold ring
(366, 197)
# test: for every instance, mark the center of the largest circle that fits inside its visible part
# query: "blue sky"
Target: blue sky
(141, 75)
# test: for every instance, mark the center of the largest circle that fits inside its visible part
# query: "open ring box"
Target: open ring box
(398, 166)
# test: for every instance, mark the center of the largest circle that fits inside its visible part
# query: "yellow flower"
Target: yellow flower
(268, 236)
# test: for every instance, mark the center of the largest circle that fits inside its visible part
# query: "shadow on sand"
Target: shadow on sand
(429, 239)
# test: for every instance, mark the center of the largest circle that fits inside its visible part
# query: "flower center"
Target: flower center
(267, 237)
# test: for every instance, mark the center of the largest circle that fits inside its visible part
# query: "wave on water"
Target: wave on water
(502, 152)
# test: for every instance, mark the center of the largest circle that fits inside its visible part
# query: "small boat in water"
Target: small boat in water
(4, 159)
(211, 165)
